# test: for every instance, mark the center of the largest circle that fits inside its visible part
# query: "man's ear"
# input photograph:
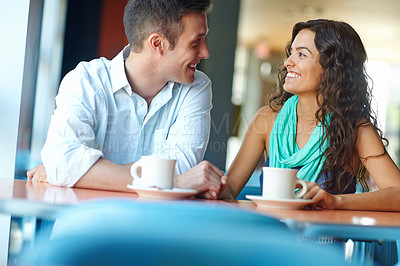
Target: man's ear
(157, 43)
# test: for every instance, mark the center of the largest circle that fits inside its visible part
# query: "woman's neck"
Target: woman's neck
(306, 120)
(306, 109)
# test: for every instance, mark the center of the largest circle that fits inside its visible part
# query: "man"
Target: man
(149, 99)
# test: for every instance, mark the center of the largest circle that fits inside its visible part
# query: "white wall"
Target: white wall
(13, 29)
(49, 72)
(14, 22)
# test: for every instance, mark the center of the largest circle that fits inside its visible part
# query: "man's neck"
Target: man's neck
(143, 77)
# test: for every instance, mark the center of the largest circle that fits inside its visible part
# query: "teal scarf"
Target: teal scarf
(283, 149)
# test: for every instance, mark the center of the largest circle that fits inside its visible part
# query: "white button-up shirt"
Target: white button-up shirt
(98, 115)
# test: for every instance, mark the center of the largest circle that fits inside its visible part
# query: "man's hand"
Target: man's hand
(205, 178)
(37, 174)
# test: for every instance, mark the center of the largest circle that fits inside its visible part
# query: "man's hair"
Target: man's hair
(143, 17)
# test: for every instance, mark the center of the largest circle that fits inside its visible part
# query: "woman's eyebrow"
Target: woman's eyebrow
(303, 47)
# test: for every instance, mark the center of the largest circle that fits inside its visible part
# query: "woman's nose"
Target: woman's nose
(288, 62)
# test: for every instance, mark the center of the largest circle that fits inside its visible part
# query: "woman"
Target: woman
(321, 122)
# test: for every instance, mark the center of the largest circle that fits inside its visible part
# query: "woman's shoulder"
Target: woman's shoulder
(369, 141)
(264, 119)
(267, 112)
(366, 129)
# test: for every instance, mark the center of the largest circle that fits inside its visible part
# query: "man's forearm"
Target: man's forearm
(106, 175)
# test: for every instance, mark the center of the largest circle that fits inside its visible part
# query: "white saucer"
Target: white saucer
(281, 203)
(157, 193)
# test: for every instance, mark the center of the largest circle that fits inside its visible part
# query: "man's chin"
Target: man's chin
(187, 81)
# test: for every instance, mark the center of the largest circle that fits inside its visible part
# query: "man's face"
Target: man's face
(181, 62)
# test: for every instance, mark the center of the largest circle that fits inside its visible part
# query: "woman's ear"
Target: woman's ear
(157, 43)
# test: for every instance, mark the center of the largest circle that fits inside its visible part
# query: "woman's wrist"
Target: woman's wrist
(338, 202)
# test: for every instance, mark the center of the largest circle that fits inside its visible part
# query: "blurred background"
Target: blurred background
(45, 39)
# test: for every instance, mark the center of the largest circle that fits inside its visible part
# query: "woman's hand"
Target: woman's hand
(321, 198)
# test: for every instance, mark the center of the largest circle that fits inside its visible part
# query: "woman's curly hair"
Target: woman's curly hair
(346, 97)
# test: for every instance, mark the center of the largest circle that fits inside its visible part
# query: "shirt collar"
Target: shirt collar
(120, 81)
(166, 93)
(118, 76)
(160, 99)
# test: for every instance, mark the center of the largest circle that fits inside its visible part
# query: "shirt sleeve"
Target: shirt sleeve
(70, 148)
(188, 137)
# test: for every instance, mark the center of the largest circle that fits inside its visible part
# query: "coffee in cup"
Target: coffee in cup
(151, 171)
(280, 183)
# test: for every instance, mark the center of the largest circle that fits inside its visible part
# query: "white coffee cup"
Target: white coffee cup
(280, 183)
(151, 171)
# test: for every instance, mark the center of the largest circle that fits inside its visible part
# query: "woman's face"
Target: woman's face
(303, 67)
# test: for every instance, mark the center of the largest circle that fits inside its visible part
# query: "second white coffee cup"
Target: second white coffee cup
(280, 183)
(151, 171)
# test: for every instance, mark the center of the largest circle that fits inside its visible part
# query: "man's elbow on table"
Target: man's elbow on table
(66, 164)
(60, 176)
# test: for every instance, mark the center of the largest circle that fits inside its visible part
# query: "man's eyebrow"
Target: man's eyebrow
(199, 36)
(202, 34)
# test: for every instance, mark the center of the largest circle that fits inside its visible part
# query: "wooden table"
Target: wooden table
(44, 201)
(349, 217)
(360, 225)
(21, 198)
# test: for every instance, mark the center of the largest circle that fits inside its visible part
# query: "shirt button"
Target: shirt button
(140, 103)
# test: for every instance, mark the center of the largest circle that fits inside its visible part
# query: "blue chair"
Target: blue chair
(366, 241)
(130, 232)
(252, 187)
(249, 190)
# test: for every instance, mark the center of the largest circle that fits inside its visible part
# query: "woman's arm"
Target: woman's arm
(250, 153)
(381, 168)
(386, 199)
(375, 159)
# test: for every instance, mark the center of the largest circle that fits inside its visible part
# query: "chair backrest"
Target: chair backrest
(130, 232)
(176, 216)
